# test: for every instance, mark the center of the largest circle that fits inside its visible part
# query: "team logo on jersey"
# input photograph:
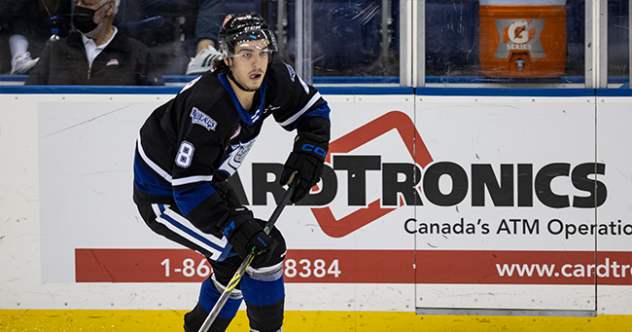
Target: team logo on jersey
(270, 108)
(292, 73)
(240, 151)
(198, 117)
(236, 157)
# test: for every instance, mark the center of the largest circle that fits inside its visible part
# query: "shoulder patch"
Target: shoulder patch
(200, 118)
(292, 73)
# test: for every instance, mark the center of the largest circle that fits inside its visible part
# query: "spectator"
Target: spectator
(209, 20)
(25, 26)
(176, 31)
(96, 54)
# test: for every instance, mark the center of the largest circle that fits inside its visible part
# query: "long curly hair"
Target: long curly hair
(220, 66)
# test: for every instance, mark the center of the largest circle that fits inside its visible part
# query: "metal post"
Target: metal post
(280, 28)
(385, 20)
(421, 43)
(406, 32)
(304, 23)
(589, 64)
(603, 44)
(596, 44)
(298, 18)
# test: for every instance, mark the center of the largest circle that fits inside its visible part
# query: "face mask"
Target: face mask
(83, 19)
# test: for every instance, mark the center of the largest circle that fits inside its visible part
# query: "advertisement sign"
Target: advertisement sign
(433, 202)
(511, 199)
(86, 178)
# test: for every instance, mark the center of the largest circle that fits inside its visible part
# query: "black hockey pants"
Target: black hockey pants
(261, 288)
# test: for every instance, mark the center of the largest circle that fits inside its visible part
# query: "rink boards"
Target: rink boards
(440, 202)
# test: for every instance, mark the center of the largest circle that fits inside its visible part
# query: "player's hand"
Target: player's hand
(307, 160)
(245, 233)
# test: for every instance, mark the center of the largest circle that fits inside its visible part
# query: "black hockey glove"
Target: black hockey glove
(307, 159)
(244, 233)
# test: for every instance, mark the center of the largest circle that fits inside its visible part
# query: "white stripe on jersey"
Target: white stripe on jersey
(190, 84)
(191, 179)
(303, 84)
(295, 117)
(167, 176)
(160, 217)
(150, 163)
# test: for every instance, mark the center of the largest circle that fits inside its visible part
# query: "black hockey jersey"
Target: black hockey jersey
(202, 136)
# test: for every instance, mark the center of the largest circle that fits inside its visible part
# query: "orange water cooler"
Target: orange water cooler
(520, 38)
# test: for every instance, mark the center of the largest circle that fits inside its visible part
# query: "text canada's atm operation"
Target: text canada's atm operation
(521, 38)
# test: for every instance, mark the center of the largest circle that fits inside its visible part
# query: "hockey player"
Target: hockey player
(190, 146)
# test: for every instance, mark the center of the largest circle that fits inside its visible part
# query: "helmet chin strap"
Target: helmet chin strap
(230, 75)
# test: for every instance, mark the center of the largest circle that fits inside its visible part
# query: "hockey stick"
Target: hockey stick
(247, 261)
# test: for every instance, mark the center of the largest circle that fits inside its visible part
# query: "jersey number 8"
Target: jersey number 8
(185, 154)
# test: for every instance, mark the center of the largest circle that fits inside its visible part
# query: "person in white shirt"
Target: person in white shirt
(96, 54)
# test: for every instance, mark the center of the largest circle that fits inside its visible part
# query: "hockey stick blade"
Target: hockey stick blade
(247, 261)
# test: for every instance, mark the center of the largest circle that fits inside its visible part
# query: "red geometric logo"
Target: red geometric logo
(347, 143)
